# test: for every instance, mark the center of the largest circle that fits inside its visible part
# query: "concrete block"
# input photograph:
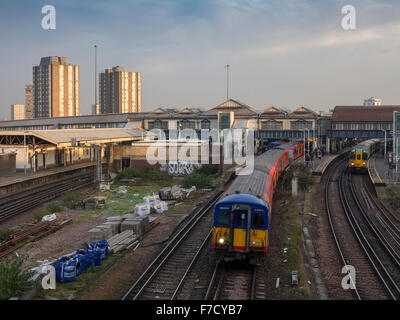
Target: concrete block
(95, 234)
(115, 226)
(136, 226)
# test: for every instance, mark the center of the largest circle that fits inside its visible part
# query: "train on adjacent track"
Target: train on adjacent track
(360, 154)
(242, 217)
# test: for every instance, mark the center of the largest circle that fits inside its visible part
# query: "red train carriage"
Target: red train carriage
(242, 218)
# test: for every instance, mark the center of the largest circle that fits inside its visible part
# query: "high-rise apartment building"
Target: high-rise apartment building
(120, 91)
(29, 102)
(55, 88)
(17, 112)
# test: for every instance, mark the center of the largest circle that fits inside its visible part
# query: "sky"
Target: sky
(284, 53)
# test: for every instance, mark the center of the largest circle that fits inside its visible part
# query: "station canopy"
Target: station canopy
(73, 137)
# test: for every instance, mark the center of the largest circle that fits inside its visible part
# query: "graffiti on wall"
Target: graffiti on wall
(182, 168)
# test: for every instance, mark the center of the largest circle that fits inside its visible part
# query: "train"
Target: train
(360, 154)
(242, 216)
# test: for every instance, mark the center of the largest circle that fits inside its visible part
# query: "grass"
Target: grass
(292, 238)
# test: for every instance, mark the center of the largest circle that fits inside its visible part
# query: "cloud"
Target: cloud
(288, 45)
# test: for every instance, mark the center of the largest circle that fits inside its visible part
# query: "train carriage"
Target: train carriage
(360, 154)
(242, 218)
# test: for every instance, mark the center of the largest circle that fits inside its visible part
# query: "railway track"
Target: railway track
(236, 281)
(350, 246)
(383, 254)
(18, 202)
(166, 278)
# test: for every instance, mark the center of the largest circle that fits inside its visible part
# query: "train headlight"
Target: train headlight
(364, 163)
(221, 240)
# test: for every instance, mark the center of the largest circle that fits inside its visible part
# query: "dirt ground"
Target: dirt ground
(74, 235)
(284, 253)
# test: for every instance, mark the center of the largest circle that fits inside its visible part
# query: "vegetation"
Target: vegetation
(147, 174)
(13, 280)
(197, 180)
(52, 208)
(38, 215)
(393, 198)
(207, 170)
(5, 234)
(305, 178)
(70, 198)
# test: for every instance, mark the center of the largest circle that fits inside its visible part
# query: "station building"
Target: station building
(360, 122)
(44, 149)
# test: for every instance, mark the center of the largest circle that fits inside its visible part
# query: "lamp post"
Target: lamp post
(384, 157)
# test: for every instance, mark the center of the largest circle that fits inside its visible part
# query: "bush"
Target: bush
(38, 215)
(207, 170)
(147, 173)
(197, 180)
(70, 196)
(53, 208)
(305, 180)
(5, 234)
(13, 281)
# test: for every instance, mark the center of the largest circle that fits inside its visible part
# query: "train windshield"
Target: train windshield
(358, 156)
(258, 220)
(353, 156)
(223, 219)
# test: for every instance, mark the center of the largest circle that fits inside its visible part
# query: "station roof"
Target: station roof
(363, 113)
(85, 119)
(65, 138)
(236, 106)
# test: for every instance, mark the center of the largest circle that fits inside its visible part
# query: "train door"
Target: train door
(241, 227)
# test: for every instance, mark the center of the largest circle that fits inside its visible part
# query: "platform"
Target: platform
(326, 161)
(378, 171)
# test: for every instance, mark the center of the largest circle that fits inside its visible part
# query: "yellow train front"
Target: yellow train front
(360, 154)
(241, 223)
(358, 161)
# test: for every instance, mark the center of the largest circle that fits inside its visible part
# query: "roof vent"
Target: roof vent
(237, 191)
(258, 196)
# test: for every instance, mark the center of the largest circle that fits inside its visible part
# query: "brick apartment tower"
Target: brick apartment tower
(17, 112)
(55, 88)
(29, 101)
(120, 91)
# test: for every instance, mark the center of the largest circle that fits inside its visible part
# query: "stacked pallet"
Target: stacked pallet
(121, 240)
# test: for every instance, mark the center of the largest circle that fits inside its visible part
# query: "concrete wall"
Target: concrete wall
(7, 163)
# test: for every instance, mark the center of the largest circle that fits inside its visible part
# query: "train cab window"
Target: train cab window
(223, 219)
(258, 220)
(240, 219)
(353, 156)
(365, 156)
(359, 157)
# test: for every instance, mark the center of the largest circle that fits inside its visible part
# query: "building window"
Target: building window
(300, 125)
(205, 124)
(158, 124)
(271, 125)
(186, 124)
